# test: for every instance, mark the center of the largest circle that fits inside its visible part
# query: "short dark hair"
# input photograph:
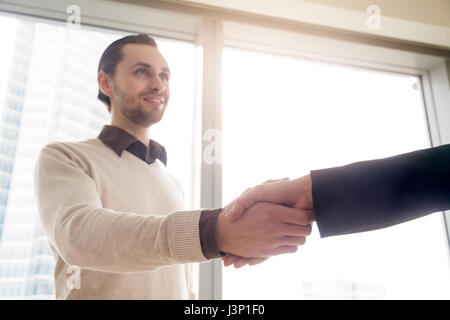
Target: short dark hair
(112, 56)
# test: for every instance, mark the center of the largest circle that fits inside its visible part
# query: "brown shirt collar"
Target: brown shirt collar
(119, 140)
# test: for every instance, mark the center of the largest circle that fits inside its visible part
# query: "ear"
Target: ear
(104, 83)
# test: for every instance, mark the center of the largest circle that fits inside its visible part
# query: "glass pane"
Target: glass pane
(283, 117)
(48, 92)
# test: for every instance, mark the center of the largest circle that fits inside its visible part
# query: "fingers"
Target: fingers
(255, 261)
(295, 216)
(286, 244)
(230, 259)
(239, 262)
(246, 200)
(268, 181)
(239, 206)
(284, 249)
(274, 180)
(283, 191)
(292, 241)
(295, 230)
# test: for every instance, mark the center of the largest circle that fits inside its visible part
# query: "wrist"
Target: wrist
(303, 192)
(308, 188)
(221, 232)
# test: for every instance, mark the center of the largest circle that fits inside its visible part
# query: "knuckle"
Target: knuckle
(288, 229)
(308, 230)
(284, 230)
(296, 230)
(304, 230)
(289, 249)
(305, 218)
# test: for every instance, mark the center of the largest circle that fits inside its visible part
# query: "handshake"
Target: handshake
(270, 219)
(275, 217)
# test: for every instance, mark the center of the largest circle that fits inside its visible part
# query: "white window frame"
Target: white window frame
(211, 29)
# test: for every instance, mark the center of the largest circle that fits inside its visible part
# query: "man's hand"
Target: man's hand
(266, 229)
(296, 193)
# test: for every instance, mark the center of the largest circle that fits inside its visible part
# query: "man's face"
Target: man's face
(141, 84)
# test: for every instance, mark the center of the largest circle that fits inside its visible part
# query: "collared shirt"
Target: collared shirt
(119, 140)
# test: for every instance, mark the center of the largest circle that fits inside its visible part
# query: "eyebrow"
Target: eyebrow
(143, 64)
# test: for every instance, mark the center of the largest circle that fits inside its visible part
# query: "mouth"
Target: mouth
(155, 101)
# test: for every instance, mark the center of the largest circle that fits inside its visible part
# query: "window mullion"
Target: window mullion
(211, 174)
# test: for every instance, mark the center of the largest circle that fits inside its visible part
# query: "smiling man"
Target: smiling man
(113, 213)
(138, 105)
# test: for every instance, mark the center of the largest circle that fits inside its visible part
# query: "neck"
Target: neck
(141, 133)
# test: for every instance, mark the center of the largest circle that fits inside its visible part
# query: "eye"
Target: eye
(165, 76)
(142, 71)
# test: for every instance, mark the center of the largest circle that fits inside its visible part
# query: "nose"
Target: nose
(156, 85)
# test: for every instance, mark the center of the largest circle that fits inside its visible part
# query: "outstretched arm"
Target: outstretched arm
(366, 195)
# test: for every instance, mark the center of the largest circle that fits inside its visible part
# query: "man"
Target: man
(115, 216)
(361, 196)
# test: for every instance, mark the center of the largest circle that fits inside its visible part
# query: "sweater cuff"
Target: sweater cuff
(183, 236)
(207, 229)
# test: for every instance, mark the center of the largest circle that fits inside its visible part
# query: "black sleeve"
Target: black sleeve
(379, 193)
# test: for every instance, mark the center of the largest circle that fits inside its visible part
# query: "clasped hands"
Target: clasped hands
(270, 219)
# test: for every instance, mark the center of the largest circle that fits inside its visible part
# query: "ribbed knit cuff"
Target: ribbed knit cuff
(184, 237)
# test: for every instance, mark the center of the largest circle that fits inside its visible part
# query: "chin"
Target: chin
(148, 120)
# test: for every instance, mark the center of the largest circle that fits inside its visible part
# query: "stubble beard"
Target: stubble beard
(136, 114)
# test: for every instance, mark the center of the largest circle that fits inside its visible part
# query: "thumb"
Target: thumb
(276, 180)
(236, 210)
(246, 200)
(243, 202)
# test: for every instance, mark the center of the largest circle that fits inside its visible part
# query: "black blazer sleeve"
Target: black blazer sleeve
(379, 193)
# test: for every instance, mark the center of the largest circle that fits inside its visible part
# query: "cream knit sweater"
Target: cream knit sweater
(118, 220)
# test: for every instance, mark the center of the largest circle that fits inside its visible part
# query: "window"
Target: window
(284, 116)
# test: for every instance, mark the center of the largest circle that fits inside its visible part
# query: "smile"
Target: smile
(154, 100)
